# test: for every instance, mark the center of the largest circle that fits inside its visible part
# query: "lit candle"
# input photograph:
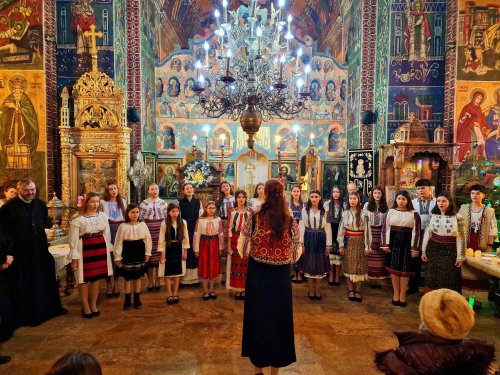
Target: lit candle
(312, 138)
(299, 54)
(207, 129)
(194, 140)
(281, 4)
(202, 80)
(206, 47)
(198, 66)
(259, 34)
(223, 139)
(282, 61)
(296, 129)
(228, 60)
(221, 41)
(278, 140)
(217, 15)
(300, 83)
(289, 19)
(307, 70)
(224, 4)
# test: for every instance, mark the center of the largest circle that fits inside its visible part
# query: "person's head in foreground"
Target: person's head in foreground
(441, 346)
(76, 363)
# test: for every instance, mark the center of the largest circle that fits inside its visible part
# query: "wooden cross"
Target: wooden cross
(92, 34)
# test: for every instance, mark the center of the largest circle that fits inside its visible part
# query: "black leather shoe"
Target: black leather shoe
(87, 316)
(402, 304)
(96, 313)
(395, 303)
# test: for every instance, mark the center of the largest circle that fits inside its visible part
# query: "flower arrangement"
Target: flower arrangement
(198, 173)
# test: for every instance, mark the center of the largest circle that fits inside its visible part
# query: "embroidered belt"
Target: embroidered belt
(174, 241)
(354, 233)
(91, 235)
(205, 237)
(401, 229)
(443, 239)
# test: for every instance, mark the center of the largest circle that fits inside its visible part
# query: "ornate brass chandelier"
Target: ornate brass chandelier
(251, 81)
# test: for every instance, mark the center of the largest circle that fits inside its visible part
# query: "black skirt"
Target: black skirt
(173, 259)
(268, 337)
(399, 259)
(133, 255)
(441, 269)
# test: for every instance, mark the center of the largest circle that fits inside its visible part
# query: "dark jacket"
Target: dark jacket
(423, 353)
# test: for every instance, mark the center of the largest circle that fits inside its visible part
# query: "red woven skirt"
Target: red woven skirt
(154, 230)
(208, 260)
(95, 257)
(239, 266)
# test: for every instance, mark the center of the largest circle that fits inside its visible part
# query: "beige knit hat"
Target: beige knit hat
(447, 314)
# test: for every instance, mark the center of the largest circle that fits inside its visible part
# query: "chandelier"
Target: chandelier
(254, 81)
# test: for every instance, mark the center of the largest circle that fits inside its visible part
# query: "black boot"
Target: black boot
(128, 303)
(137, 300)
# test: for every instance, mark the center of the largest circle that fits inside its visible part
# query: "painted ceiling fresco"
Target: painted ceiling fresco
(312, 18)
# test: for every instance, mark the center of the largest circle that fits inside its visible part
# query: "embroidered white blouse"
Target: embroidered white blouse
(208, 227)
(445, 226)
(313, 221)
(349, 222)
(162, 244)
(112, 210)
(153, 209)
(398, 218)
(129, 232)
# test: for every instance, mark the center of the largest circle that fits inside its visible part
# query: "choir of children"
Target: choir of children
(188, 241)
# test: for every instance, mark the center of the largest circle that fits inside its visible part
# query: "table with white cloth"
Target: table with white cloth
(60, 251)
(60, 254)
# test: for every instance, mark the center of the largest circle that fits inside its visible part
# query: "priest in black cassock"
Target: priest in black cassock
(34, 291)
(6, 260)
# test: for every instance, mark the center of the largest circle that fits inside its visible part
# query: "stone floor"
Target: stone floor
(334, 336)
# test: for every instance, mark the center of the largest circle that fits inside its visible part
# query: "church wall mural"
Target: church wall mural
(149, 24)
(179, 118)
(477, 100)
(23, 138)
(416, 64)
(120, 45)
(352, 35)
(381, 72)
(22, 88)
(73, 18)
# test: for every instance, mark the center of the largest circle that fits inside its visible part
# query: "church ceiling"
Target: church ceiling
(312, 18)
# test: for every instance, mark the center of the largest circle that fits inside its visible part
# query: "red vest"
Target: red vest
(266, 249)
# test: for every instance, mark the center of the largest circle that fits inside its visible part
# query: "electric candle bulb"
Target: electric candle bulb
(223, 139)
(194, 140)
(198, 64)
(259, 32)
(299, 53)
(296, 129)
(207, 129)
(312, 138)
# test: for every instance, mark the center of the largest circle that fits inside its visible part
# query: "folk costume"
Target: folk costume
(153, 212)
(115, 215)
(443, 244)
(401, 233)
(268, 336)
(191, 210)
(478, 228)
(376, 257)
(208, 242)
(34, 291)
(90, 244)
(255, 204)
(224, 208)
(237, 266)
(316, 235)
(355, 239)
(132, 244)
(173, 248)
(296, 211)
(333, 217)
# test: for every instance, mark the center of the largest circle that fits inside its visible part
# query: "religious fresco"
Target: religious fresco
(477, 119)
(180, 133)
(381, 72)
(477, 99)
(120, 44)
(23, 132)
(21, 35)
(73, 18)
(416, 65)
(149, 24)
(478, 44)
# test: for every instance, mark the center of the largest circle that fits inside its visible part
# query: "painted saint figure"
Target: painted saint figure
(472, 127)
(83, 18)
(417, 32)
(19, 126)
